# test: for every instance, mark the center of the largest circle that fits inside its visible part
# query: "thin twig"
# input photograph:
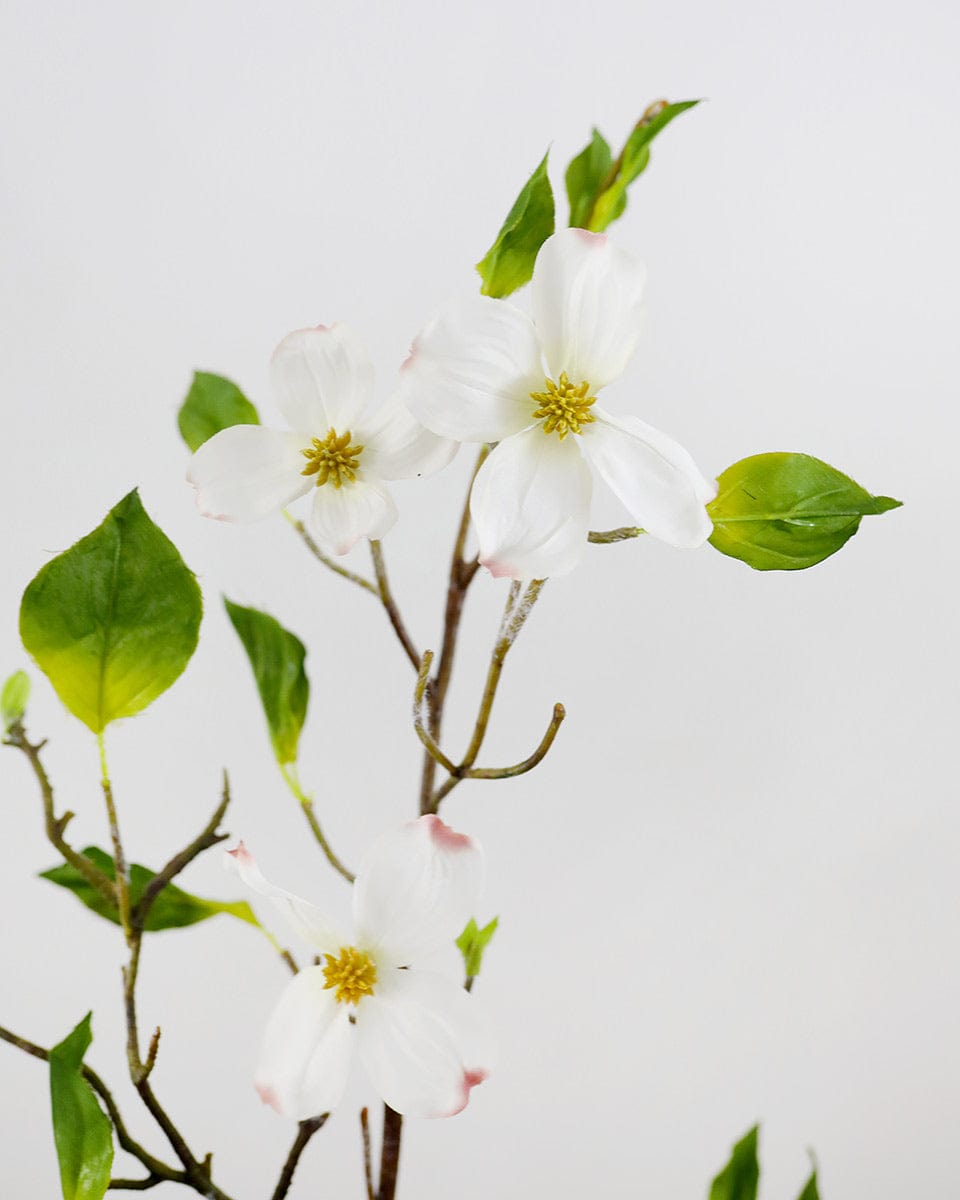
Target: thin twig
(306, 803)
(135, 1185)
(203, 841)
(121, 873)
(388, 602)
(521, 768)
(54, 825)
(419, 696)
(367, 1162)
(390, 1153)
(623, 534)
(328, 562)
(305, 1132)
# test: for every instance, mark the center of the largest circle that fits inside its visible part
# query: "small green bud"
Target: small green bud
(13, 699)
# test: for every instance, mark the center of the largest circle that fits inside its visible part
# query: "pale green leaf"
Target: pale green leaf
(740, 1178)
(508, 264)
(212, 403)
(82, 1132)
(784, 512)
(585, 175)
(113, 621)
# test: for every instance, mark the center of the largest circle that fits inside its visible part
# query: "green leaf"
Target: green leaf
(113, 621)
(82, 1132)
(740, 1178)
(784, 512)
(473, 941)
(277, 660)
(585, 174)
(213, 403)
(13, 699)
(608, 204)
(810, 1191)
(173, 908)
(508, 264)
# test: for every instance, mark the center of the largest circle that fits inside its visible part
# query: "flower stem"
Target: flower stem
(121, 874)
(390, 1153)
(388, 602)
(289, 772)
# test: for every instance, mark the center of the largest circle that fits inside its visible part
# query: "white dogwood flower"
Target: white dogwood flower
(338, 450)
(418, 1034)
(483, 371)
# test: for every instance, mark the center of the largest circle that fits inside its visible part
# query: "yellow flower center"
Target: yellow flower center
(352, 974)
(564, 406)
(332, 459)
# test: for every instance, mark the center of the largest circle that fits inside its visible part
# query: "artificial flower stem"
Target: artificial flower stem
(367, 1162)
(388, 602)
(328, 562)
(390, 1153)
(305, 1131)
(289, 773)
(605, 537)
(121, 876)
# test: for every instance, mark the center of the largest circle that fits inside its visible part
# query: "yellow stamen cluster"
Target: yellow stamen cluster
(332, 459)
(352, 974)
(564, 407)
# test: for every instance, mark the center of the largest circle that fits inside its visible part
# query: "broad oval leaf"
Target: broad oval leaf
(784, 512)
(13, 699)
(276, 657)
(508, 264)
(585, 176)
(82, 1132)
(114, 620)
(212, 403)
(740, 1178)
(173, 908)
(608, 204)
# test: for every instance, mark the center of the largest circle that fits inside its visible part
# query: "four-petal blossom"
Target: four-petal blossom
(418, 1034)
(337, 449)
(482, 370)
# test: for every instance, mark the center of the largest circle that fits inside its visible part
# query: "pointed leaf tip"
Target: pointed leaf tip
(508, 264)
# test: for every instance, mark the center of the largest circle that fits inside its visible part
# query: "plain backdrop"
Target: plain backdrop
(730, 892)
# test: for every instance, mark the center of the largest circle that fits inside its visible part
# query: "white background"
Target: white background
(730, 893)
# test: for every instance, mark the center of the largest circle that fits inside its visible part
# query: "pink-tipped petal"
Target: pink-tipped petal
(531, 506)
(586, 297)
(340, 517)
(323, 378)
(424, 1043)
(246, 473)
(656, 479)
(471, 371)
(305, 918)
(415, 890)
(397, 446)
(307, 1049)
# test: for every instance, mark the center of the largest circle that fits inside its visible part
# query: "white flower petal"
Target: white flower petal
(586, 298)
(305, 918)
(307, 1049)
(397, 446)
(423, 1043)
(323, 378)
(471, 371)
(246, 473)
(657, 480)
(531, 506)
(339, 517)
(415, 891)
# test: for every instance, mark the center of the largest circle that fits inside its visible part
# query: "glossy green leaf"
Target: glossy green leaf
(113, 621)
(13, 699)
(213, 403)
(784, 512)
(608, 204)
(81, 1130)
(173, 908)
(508, 264)
(810, 1191)
(740, 1178)
(585, 175)
(472, 943)
(276, 657)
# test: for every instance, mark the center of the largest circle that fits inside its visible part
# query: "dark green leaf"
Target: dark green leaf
(585, 175)
(784, 512)
(213, 403)
(740, 1178)
(173, 908)
(277, 660)
(82, 1132)
(13, 699)
(810, 1191)
(608, 204)
(508, 264)
(114, 620)
(473, 941)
